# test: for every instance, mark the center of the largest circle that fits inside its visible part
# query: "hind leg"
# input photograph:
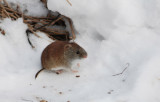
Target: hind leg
(59, 71)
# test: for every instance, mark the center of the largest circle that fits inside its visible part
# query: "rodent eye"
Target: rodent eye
(77, 52)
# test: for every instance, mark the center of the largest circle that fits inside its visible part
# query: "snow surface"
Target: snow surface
(30, 7)
(113, 32)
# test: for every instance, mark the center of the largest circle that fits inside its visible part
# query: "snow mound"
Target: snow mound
(113, 33)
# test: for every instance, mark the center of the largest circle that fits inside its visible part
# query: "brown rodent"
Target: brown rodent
(61, 54)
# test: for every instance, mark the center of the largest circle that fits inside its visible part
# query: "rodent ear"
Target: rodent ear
(68, 46)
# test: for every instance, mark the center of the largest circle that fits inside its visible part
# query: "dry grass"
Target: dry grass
(44, 24)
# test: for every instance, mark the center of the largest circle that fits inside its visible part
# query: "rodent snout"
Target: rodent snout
(85, 56)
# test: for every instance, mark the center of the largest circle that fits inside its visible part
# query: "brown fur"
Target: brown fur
(61, 54)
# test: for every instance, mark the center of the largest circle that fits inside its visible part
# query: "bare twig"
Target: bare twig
(69, 2)
(55, 31)
(5, 2)
(56, 20)
(71, 27)
(127, 65)
(31, 29)
(12, 16)
(3, 15)
(4, 10)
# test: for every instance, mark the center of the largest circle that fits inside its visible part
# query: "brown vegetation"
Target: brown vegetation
(47, 24)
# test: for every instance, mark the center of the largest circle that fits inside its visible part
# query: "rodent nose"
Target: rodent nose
(85, 56)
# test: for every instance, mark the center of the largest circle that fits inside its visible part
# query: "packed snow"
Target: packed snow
(117, 35)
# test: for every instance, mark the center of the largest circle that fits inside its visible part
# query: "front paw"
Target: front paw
(74, 71)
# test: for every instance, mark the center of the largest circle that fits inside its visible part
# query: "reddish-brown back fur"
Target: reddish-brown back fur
(56, 55)
(52, 55)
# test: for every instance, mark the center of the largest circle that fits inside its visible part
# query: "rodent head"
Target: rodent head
(74, 51)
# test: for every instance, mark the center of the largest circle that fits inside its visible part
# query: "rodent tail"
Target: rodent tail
(38, 73)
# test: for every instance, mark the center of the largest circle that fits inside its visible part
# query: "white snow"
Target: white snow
(113, 32)
(30, 7)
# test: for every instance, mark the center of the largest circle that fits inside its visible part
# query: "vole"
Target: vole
(61, 54)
